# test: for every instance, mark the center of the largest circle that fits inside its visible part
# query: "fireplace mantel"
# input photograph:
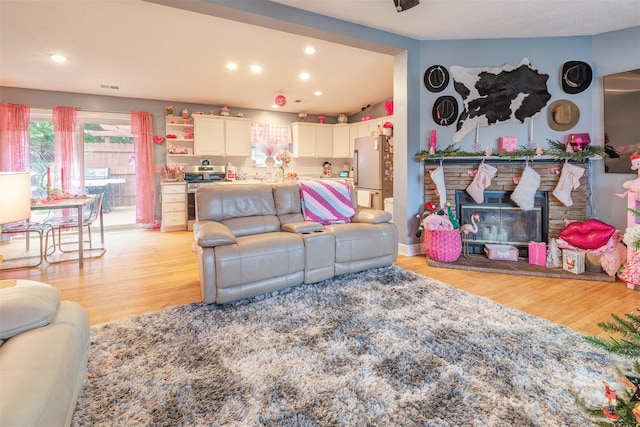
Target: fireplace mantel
(502, 160)
(457, 177)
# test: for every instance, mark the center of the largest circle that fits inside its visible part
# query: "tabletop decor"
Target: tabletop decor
(284, 157)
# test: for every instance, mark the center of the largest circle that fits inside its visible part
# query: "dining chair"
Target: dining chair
(27, 228)
(69, 222)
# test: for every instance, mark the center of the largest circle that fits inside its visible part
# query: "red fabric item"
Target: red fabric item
(589, 234)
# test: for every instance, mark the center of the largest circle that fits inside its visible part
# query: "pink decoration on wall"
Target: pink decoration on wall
(388, 105)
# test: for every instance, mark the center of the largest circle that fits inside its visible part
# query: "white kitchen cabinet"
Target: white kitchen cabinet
(221, 136)
(370, 127)
(312, 140)
(237, 138)
(174, 206)
(341, 141)
(208, 135)
(179, 139)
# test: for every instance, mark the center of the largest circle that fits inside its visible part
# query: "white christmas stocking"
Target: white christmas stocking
(437, 175)
(482, 180)
(569, 181)
(525, 192)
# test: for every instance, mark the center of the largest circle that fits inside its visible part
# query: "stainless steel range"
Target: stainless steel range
(196, 177)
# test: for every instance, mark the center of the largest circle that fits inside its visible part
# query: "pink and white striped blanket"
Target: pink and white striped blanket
(326, 202)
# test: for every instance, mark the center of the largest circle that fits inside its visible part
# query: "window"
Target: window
(106, 156)
(268, 140)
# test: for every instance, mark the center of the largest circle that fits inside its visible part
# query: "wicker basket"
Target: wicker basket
(443, 245)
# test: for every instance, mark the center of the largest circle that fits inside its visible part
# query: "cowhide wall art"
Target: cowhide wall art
(493, 95)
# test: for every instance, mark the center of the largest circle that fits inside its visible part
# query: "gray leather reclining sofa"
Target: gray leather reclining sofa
(253, 239)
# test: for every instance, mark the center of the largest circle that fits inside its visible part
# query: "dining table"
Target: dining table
(71, 202)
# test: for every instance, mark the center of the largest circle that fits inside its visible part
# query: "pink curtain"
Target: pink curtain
(66, 171)
(270, 138)
(14, 138)
(142, 130)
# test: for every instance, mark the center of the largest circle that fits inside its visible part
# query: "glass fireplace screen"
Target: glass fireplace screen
(502, 221)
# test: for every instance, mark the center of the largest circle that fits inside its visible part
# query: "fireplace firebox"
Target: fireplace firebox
(502, 221)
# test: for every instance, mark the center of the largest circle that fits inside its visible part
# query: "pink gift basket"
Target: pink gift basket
(442, 245)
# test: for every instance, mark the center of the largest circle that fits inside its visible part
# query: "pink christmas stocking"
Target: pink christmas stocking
(569, 181)
(525, 192)
(482, 180)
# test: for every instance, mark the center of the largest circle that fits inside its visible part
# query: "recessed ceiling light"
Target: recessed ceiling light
(317, 93)
(310, 50)
(232, 66)
(58, 58)
(256, 69)
(304, 76)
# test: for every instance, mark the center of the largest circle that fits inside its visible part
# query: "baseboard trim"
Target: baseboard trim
(410, 250)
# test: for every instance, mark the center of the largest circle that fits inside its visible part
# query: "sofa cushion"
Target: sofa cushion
(260, 257)
(26, 307)
(220, 202)
(327, 202)
(288, 204)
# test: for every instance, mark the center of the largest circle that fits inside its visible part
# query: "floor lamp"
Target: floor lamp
(15, 197)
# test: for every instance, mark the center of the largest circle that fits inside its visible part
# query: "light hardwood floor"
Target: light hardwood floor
(145, 270)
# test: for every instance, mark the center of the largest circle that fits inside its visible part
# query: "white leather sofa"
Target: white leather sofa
(253, 238)
(44, 345)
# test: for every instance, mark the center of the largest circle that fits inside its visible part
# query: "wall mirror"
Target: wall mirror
(621, 120)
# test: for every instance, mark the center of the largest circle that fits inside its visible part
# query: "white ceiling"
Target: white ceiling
(154, 51)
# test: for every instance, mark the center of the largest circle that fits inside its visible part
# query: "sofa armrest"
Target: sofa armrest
(302, 227)
(371, 216)
(212, 233)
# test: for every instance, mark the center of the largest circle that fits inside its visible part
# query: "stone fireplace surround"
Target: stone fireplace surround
(456, 175)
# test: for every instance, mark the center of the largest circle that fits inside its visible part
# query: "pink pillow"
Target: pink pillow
(589, 234)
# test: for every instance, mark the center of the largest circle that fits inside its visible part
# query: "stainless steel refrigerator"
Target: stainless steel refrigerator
(373, 170)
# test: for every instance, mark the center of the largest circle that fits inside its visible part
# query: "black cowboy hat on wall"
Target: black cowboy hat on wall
(445, 110)
(576, 76)
(436, 78)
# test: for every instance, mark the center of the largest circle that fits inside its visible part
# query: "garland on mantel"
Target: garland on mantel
(556, 151)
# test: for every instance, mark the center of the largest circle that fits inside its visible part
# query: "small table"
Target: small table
(78, 202)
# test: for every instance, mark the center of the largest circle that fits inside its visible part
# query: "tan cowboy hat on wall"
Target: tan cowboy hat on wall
(562, 115)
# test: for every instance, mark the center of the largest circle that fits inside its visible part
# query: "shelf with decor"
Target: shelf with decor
(179, 137)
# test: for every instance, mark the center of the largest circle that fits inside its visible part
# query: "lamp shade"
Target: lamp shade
(15, 196)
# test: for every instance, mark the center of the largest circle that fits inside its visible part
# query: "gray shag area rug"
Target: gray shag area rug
(384, 347)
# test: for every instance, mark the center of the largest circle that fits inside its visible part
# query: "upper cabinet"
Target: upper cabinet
(312, 140)
(341, 141)
(332, 141)
(221, 136)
